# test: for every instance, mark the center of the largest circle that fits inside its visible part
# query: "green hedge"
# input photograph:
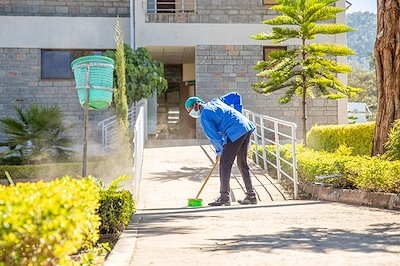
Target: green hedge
(116, 210)
(42, 171)
(117, 207)
(362, 172)
(328, 138)
(101, 168)
(44, 223)
(374, 174)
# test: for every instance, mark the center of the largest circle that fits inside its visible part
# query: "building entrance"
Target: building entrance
(173, 122)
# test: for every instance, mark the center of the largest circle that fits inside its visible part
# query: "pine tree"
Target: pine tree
(310, 69)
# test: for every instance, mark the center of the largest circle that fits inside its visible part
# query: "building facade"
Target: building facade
(204, 45)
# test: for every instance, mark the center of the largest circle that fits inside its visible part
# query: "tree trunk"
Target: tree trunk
(304, 98)
(303, 110)
(387, 63)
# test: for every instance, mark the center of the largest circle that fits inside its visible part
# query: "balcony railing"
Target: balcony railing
(171, 6)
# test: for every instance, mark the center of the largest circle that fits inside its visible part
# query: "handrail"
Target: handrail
(277, 138)
(108, 125)
(139, 131)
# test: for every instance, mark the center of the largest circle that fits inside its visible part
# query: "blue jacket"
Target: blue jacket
(222, 118)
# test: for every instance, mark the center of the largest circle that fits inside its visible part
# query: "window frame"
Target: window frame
(74, 53)
(269, 2)
(272, 48)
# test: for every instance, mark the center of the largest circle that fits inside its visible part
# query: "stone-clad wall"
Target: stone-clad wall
(219, 11)
(224, 68)
(20, 83)
(70, 8)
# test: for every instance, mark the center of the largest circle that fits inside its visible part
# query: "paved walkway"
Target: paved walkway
(277, 231)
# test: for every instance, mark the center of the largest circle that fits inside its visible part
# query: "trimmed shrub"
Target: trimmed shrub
(116, 207)
(359, 137)
(393, 143)
(45, 223)
(51, 171)
(312, 163)
(374, 174)
(362, 172)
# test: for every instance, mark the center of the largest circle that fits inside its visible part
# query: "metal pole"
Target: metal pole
(132, 24)
(295, 177)
(255, 137)
(277, 151)
(85, 121)
(263, 143)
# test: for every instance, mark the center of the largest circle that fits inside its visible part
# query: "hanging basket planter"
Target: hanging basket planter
(96, 74)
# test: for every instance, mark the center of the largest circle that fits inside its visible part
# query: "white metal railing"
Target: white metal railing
(273, 131)
(171, 6)
(109, 127)
(140, 136)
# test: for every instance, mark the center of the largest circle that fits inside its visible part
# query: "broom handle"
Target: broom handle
(208, 177)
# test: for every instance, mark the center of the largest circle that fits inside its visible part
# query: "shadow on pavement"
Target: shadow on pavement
(184, 210)
(185, 173)
(320, 240)
(150, 222)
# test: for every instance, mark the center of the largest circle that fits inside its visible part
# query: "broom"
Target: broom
(196, 202)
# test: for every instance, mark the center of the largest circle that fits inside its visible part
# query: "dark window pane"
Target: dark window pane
(56, 64)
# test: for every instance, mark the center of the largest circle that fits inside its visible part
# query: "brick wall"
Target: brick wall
(219, 11)
(224, 68)
(20, 83)
(70, 8)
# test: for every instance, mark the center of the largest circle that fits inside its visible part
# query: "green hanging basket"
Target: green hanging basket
(100, 80)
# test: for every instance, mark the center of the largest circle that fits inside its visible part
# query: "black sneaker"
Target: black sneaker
(220, 202)
(248, 200)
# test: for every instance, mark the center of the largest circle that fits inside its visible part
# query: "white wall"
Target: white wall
(60, 32)
(189, 72)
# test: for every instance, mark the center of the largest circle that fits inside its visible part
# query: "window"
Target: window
(269, 2)
(56, 64)
(269, 49)
(170, 6)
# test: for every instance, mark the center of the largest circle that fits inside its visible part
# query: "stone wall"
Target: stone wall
(218, 11)
(21, 84)
(70, 8)
(224, 68)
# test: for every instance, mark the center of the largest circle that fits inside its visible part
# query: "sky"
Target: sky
(362, 5)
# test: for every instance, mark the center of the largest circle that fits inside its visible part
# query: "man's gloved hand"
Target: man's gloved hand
(217, 159)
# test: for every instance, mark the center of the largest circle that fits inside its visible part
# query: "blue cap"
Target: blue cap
(191, 101)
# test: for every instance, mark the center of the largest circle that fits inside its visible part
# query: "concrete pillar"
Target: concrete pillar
(152, 114)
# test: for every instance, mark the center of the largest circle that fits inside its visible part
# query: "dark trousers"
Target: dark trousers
(230, 151)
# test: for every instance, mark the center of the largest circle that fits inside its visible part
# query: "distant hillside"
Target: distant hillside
(363, 39)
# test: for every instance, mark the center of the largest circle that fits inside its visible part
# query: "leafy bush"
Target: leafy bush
(312, 163)
(143, 74)
(359, 137)
(374, 174)
(49, 171)
(35, 135)
(44, 223)
(362, 172)
(116, 207)
(393, 143)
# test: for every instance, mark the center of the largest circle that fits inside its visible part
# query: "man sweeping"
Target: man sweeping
(229, 132)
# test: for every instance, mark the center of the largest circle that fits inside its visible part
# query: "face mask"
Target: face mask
(194, 113)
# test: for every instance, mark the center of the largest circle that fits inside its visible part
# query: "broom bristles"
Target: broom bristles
(195, 202)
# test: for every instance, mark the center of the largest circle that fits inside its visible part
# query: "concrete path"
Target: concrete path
(277, 231)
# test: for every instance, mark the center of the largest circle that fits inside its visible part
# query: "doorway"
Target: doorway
(173, 122)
